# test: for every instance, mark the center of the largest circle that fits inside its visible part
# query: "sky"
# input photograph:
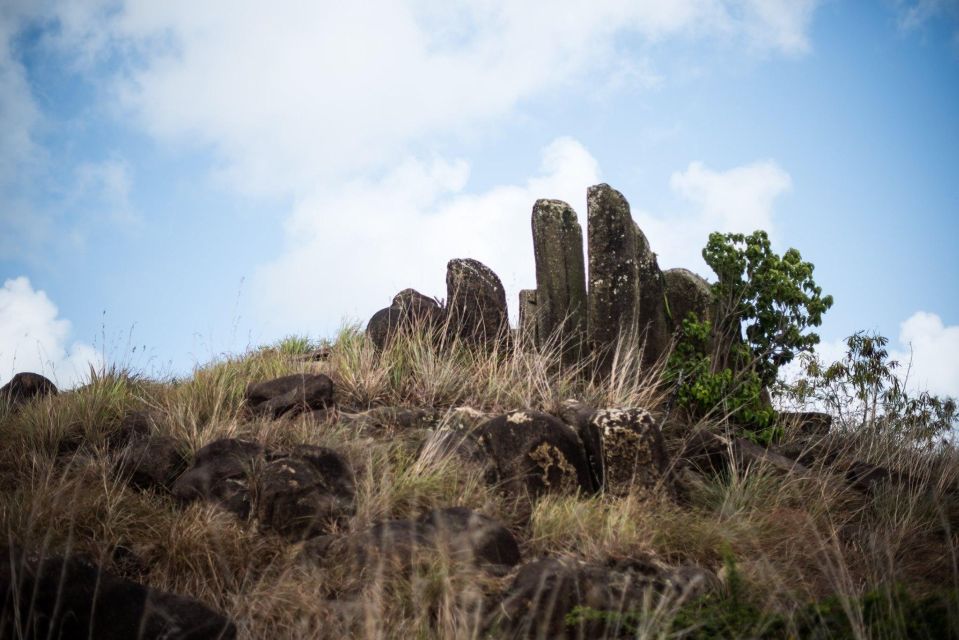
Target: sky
(182, 180)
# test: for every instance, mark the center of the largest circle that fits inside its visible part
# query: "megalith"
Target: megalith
(476, 302)
(653, 325)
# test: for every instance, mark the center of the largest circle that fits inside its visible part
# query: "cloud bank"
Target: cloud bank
(34, 338)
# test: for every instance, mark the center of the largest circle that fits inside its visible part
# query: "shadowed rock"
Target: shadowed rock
(152, 463)
(302, 493)
(560, 275)
(653, 325)
(476, 302)
(543, 598)
(417, 306)
(527, 316)
(221, 473)
(613, 305)
(687, 292)
(410, 310)
(290, 395)
(25, 386)
(72, 599)
(536, 453)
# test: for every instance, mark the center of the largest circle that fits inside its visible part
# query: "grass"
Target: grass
(797, 553)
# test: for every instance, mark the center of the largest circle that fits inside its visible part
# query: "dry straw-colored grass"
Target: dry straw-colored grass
(795, 537)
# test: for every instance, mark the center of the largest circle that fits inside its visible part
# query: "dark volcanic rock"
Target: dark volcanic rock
(25, 386)
(290, 394)
(384, 324)
(410, 310)
(417, 306)
(544, 593)
(302, 493)
(713, 453)
(221, 473)
(653, 324)
(536, 453)
(527, 316)
(153, 462)
(476, 302)
(73, 599)
(560, 275)
(687, 292)
(463, 535)
(625, 446)
(613, 305)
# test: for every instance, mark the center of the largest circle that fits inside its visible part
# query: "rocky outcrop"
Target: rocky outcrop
(25, 386)
(305, 492)
(462, 535)
(409, 310)
(613, 305)
(543, 600)
(687, 293)
(476, 303)
(625, 446)
(527, 317)
(535, 453)
(653, 325)
(72, 599)
(221, 473)
(560, 276)
(290, 395)
(153, 462)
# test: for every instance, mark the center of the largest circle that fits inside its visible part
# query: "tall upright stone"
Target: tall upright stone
(527, 316)
(476, 302)
(613, 305)
(560, 275)
(653, 325)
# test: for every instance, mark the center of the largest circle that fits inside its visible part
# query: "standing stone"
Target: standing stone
(560, 275)
(613, 272)
(527, 316)
(687, 292)
(476, 302)
(654, 328)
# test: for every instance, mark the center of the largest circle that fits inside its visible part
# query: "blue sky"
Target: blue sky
(179, 181)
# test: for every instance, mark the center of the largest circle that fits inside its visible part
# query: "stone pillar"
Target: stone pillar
(527, 317)
(654, 328)
(685, 292)
(613, 304)
(560, 275)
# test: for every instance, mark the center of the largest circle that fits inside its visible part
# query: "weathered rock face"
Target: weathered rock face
(290, 395)
(303, 493)
(417, 306)
(653, 325)
(625, 446)
(613, 304)
(152, 463)
(385, 324)
(221, 473)
(463, 535)
(546, 591)
(476, 302)
(527, 316)
(560, 275)
(536, 453)
(687, 292)
(25, 386)
(69, 598)
(409, 310)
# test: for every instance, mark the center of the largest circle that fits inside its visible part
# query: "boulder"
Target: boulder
(476, 303)
(613, 305)
(290, 395)
(409, 310)
(304, 492)
(25, 386)
(221, 473)
(544, 597)
(653, 325)
(417, 306)
(714, 453)
(560, 275)
(625, 446)
(535, 453)
(384, 324)
(153, 462)
(70, 598)
(461, 534)
(687, 292)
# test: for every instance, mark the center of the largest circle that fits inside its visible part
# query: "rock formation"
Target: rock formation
(476, 302)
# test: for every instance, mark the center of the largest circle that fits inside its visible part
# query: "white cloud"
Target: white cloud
(933, 350)
(103, 188)
(34, 338)
(740, 199)
(313, 92)
(350, 250)
(19, 113)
